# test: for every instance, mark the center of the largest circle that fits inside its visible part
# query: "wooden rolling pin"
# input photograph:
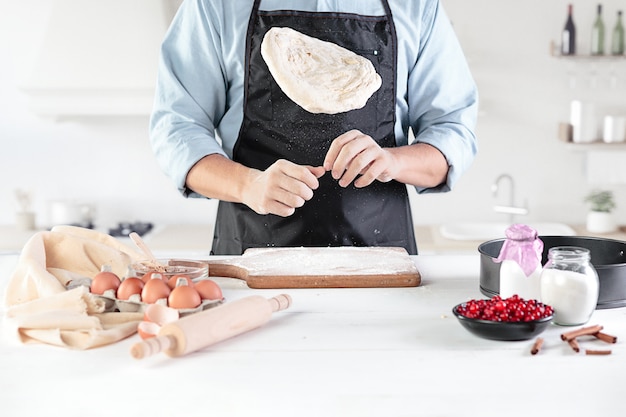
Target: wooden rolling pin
(203, 329)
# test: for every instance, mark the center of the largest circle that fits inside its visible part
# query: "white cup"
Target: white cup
(583, 121)
(614, 129)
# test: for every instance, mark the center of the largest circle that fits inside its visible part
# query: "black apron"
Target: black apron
(274, 127)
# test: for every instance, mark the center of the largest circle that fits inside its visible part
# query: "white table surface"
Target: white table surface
(336, 352)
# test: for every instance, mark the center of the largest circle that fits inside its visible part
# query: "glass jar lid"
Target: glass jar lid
(569, 254)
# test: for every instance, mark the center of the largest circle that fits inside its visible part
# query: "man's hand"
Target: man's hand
(281, 188)
(355, 153)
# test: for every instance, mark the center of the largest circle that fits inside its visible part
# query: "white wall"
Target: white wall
(524, 91)
(106, 161)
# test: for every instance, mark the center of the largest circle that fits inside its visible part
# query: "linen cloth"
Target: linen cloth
(39, 308)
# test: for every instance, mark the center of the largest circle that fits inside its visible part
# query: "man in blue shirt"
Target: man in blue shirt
(222, 128)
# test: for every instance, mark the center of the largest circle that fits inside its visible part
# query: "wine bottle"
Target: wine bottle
(568, 36)
(597, 34)
(617, 40)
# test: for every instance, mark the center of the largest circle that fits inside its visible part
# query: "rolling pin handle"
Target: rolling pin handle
(280, 302)
(152, 346)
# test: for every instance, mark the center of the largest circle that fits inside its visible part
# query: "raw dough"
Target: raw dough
(319, 76)
(341, 260)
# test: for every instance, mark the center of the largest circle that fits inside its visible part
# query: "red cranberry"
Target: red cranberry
(511, 309)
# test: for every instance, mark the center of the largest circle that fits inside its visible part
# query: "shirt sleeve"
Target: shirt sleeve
(190, 93)
(442, 95)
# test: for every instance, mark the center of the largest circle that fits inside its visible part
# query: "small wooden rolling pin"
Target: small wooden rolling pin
(203, 329)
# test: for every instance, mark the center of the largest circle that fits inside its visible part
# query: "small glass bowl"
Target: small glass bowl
(191, 268)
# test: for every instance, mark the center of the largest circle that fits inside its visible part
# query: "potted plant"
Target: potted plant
(600, 218)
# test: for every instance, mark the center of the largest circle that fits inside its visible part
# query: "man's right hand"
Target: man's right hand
(281, 188)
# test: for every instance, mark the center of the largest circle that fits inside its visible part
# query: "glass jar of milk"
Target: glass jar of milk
(569, 283)
(520, 258)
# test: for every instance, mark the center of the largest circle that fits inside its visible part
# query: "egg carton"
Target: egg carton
(134, 303)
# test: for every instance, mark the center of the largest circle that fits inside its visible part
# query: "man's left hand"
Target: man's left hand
(355, 154)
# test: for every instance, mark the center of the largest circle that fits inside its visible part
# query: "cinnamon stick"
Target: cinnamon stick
(605, 337)
(583, 331)
(536, 346)
(597, 352)
(574, 344)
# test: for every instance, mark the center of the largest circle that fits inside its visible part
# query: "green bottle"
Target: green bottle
(597, 34)
(617, 42)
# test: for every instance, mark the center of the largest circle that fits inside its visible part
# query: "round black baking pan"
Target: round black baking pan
(607, 256)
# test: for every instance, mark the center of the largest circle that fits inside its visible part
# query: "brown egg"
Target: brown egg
(151, 274)
(208, 290)
(103, 281)
(184, 296)
(129, 287)
(173, 281)
(154, 290)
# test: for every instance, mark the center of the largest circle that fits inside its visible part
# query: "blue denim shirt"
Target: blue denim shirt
(198, 107)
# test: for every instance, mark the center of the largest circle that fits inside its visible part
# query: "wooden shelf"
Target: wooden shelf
(554, 52)
(597, 146)
(590, 58)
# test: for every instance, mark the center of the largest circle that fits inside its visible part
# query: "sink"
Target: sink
(489, 230)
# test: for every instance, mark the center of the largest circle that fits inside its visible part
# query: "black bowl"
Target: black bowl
(503, 330)
(608, 256)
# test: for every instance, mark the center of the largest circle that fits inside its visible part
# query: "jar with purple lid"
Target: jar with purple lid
(520, 258)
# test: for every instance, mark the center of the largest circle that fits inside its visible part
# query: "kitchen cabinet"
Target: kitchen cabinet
(430, 241)
(170, 239)
(196, 239)
(92, 58)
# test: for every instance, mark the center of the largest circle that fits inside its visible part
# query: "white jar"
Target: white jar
(520, 258)
(513, 280)
(569, 283)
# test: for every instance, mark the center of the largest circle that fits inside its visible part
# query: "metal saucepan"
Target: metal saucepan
(607, 256)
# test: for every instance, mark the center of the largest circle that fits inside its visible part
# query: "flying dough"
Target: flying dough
(319, 76)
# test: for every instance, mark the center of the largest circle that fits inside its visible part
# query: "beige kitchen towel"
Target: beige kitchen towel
(39, 308)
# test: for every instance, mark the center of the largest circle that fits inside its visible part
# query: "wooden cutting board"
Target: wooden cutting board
(324, 267)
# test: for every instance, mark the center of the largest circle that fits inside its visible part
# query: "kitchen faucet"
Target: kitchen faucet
(510, 209)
